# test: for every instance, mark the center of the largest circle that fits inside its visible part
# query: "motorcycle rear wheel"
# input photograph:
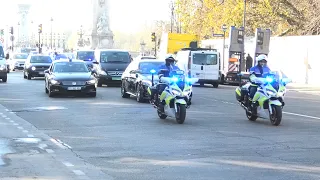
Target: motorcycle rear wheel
(161, 114)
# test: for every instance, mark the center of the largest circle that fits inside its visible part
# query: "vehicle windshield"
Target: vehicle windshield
(205, 59)
(69, 67)
(27, 50)
(40, 59)
(85, 55)
(109, 56)
(20, 56)
(146, 67)
(1, 52)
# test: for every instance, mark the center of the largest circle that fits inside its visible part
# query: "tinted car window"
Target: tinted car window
(205, 59)
(146, 67)
(20, 56)
(40, 59)
(109, 56)
(85, 55)
(63, 67)
(1, 52)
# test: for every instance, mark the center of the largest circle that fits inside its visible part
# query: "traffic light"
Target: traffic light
(153, 37)
(40, 28)
(11, 30)
(2, 32)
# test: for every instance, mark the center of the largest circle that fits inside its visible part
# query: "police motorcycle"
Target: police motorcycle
(175, 97)
(269, 98)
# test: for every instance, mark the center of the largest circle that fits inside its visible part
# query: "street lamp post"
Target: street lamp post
(142, 44)
(244, 34)
(224, 29)
(80, 41)
(51, 32)
(18, 39)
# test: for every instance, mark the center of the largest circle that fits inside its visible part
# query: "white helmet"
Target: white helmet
(262, 57)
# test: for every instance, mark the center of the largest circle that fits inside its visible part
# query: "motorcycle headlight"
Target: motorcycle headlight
(175, 92)
(92, 81)
(147, 83)
(186, 93)
(54, 82)
(33, 68)
(271, 93)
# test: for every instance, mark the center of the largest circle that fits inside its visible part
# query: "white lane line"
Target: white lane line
(30, 135)
(57, 143)
(42, 146)
(4, 116)
(7, 118)
(16, 124)
(78, 172)
(7, 109)
(302, 115)
(12, 112)
(25, 131)
(67, 164)
(34, 151)
(19, 127)
(50, 151)
(11, 121)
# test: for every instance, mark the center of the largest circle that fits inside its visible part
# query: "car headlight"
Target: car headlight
(147, 83)
(103, 72)
(54, 82)
(271, 93)
(33, 68)
(2, 67)
(175, 92)
(92, 81)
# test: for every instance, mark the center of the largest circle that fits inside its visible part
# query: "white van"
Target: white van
(3, 65)
(200, 63)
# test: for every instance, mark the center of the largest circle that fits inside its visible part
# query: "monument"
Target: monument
(24, 23)
(102, 36)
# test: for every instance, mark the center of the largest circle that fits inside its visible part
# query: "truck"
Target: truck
(171, 43)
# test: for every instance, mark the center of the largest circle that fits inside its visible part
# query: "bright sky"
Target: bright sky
(125, 15)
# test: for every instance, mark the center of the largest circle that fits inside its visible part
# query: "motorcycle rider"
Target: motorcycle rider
(257, 72)
(170, 66)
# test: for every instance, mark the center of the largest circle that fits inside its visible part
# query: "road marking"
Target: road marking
(67, 164)
(42, 146)
(302, 115)
(1, 113)
(57, 143)
(7, 109)
(25, 131)
(30, 135)
(50, 151)
(34, 151)
(16, 124)
(4, 116)
(79, 173)
(7, 118)
(11, 121)
(12, 112)
(19, 127)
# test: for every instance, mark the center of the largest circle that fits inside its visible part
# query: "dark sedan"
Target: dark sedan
(70, 77)
(35, 66)
(137, 78)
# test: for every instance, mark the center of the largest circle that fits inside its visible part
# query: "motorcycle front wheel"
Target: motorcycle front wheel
(181, 113)
(276, 116)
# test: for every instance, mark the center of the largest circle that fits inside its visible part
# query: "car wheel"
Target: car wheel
(24, 75)
(124, 93)
(99, 84)
(139, 96)
(4, 79)
(28, 76)
(50, 94)
(46, 90)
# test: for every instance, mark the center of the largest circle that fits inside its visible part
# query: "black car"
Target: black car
(70, 76)
(110, 64)
(35, 65)
(87, 56)
(137, 78)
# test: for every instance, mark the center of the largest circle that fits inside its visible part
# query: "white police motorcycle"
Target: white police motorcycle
(177, 89)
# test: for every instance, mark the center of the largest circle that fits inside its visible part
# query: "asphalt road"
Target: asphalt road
(109, 137)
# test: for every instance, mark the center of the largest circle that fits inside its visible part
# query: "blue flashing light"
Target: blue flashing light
(269, 79)
(174, 79)
(152, 71)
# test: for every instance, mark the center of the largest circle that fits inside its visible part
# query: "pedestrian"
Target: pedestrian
(248, 62)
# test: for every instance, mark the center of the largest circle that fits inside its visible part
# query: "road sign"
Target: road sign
(11, 38)
(217, 35)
